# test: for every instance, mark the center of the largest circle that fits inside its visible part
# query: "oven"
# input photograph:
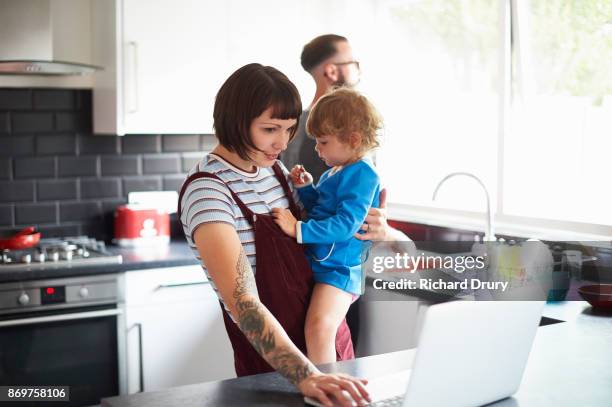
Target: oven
(64, 332)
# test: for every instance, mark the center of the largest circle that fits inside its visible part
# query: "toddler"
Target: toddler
(345, 125)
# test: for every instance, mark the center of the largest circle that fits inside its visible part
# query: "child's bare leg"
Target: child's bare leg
(328, 307)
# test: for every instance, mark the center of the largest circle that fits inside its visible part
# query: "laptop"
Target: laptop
(470, 353)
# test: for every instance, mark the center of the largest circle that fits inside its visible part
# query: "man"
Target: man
(329, 60)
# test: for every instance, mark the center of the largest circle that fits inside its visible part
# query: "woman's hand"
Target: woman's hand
(299, 176)
(285, 220)
(339, 388)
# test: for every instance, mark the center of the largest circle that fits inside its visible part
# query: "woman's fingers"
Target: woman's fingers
(340, 388)
(322, 397)
(355, 387)
(347, 384)
(340, 396)
(360, 385)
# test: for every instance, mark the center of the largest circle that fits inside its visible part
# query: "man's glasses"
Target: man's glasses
(349, 63)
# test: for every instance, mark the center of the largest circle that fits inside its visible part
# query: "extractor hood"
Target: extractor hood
(45, 37)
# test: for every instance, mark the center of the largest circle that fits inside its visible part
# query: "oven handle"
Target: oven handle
(64, 317)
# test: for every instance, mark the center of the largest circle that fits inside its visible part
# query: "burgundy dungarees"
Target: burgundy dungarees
(284, 283)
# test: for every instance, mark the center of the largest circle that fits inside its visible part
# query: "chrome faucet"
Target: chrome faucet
(489, 233)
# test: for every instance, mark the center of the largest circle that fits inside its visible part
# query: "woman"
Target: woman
(261, 275)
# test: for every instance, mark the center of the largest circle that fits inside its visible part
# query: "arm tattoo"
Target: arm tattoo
(252, 322)
(291, 366)
(245, 282)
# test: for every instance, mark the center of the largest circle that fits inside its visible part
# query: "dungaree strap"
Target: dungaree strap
(283, 181)
(245, 210)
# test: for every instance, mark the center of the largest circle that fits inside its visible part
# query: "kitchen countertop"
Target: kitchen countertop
(177, 253)
(568, 366)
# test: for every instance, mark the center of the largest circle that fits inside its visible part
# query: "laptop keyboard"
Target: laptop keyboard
(390, 402)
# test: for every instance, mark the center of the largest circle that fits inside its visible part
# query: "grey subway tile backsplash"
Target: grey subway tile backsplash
(90, 144)
(6, 215)
(161, 164)
(11, 146)
(4, 123)
(34, 167)
(79, 211)
(5, 168)
(75, 166)
(26, 122)
(142, 183)
(72, 122)
(56, 144)
(36, 213)
(100, 188)
(16, 191)
(173, 182)
(56, 189)
(84, 101)
(54, 99)
(136, 143)
(67, 181)
(120, 164)
(173, 143)
(15, 99)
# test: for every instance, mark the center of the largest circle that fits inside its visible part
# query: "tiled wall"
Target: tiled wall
(55, 174)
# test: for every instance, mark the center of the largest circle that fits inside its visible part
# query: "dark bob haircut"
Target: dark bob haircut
(319, 49)
(244, 96)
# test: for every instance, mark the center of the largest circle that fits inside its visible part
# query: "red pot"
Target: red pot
(24, 239)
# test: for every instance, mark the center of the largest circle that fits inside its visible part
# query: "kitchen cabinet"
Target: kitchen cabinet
(175, 333)
(163, 64)
(165, 61)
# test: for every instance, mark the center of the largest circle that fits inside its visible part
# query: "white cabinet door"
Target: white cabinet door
(175, 61)
(167, 61)
(175, 322)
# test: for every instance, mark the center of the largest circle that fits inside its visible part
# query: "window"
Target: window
(517, 92)
(557, 150)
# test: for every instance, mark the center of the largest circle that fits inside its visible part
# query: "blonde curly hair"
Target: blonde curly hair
(343, 112)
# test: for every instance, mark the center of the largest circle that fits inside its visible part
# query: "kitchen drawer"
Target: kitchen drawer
(166, 285)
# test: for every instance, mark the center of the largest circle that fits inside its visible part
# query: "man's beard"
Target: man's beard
(342, 81)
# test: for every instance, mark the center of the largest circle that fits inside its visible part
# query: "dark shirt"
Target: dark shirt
(301, 150)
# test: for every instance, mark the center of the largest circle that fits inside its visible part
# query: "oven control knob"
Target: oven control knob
(24, 299)
(84, 292)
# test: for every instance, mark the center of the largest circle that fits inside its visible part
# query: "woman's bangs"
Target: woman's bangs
(286, 105)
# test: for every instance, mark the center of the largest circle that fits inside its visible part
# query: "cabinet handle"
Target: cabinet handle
(171, 285)
(138, 327)
(133, 98)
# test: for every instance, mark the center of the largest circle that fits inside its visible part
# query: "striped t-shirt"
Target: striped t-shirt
(207, 200)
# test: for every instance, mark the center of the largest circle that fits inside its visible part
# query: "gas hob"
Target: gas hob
(56, 253)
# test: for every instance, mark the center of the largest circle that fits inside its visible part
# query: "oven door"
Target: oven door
(76, 347)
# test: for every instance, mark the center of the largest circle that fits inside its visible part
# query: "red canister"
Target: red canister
(137, 225)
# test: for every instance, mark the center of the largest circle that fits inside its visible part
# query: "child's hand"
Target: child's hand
(299, 175)
(285, 219)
